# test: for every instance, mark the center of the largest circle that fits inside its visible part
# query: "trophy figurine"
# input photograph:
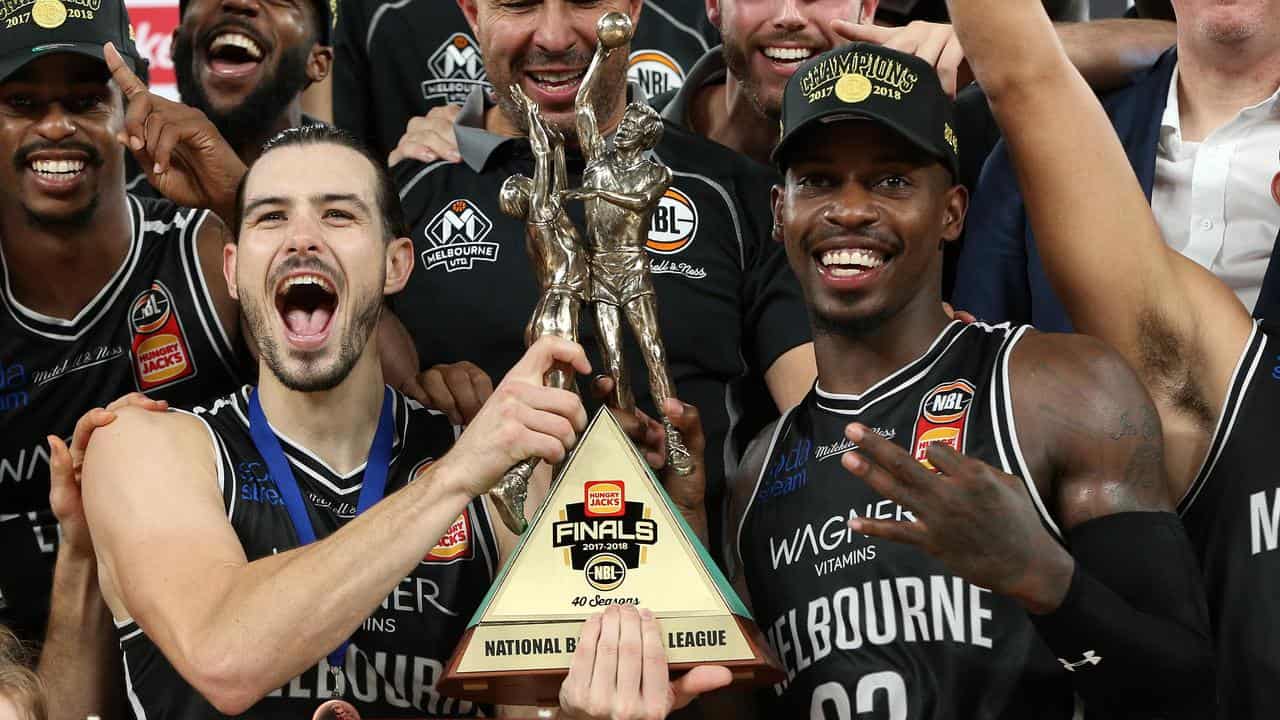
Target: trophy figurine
(558, 257)
(607, 533)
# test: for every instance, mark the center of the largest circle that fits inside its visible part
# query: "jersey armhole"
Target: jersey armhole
(1241, 377)
(223, 462)
(737, 559)
(198, 288)
(1005, 430)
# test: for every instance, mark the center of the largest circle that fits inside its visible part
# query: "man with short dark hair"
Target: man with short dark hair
(932, 531)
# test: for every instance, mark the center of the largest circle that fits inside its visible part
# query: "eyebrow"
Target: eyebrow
(321, 199)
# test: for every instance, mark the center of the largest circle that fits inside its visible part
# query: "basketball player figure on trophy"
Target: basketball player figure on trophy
(621, 188)
(559, 259)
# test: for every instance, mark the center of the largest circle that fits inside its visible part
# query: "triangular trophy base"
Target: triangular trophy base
(607, 534)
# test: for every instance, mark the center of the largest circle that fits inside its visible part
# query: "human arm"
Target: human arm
(1173, 321)
(1106, 52)
(1091, 447)
(791, 376)
(179, 149)
(233, 629)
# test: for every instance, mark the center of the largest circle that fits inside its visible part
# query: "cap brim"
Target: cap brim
(25, 56)
(845, 115)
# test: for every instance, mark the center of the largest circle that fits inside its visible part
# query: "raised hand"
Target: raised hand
(429, 138)
(182, 153)
(456, 389)
(935, 43)
(522, 418)
(619, 671)
(975, 519)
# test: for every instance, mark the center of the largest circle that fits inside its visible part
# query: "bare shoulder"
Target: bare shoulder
(1089, 431)
(140, 436)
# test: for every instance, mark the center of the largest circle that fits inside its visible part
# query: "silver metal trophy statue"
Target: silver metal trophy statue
(621, 188)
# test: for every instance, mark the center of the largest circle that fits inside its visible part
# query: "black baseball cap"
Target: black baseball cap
(326, 10)
(30, 30)
(863, 81)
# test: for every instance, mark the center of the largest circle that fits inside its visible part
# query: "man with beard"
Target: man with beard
(933, 531)
(103, 293)
(1212, 371)
(245, 64)
(319, 531)
(729, 312)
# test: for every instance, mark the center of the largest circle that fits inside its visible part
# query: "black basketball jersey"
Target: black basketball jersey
(876, 630)
(1232, 513)
(398, 655)
(152, 328)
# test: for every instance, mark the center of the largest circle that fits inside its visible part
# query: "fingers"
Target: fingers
(688, 421)
(632, 663)
(64, 493)
(965, 317)
(901, 531)
(887, 455)
(698, 681)
(162, 150)
(59, 462)
(129, 83)
(932, 42)
(439, 397)
(137, 399)
(657, 677)
(576, 688)
(951, 66)
(601, 387)
(545, 353)
(856, 32)
(946, 459)
(458, 390)
(429, 138)
(605, 673)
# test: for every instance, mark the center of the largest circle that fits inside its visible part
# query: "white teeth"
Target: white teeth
(320, 280)
(787, 54)
(237, 40)
(556, 77)
(847, 262)
(61, 167)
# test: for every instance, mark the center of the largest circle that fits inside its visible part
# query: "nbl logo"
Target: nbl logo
(673, 225)
(457, 67)
(457, 236)
(654, 71)
(943, 415)
(160, 352)
(604, 535)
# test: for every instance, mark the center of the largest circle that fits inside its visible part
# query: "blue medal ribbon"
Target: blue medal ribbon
(373, 488)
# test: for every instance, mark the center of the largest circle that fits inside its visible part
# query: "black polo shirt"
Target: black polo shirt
(396, 60)
(728, 302)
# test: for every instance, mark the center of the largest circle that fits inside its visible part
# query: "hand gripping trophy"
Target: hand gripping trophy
(621, 188)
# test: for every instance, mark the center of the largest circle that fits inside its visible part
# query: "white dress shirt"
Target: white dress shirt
(1212, 199)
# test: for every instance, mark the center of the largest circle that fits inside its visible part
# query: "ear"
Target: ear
(319, 62)
(229, 270)
(713, 12)
(469, 11)
(399, 265)
(779, 215)
(957, 204)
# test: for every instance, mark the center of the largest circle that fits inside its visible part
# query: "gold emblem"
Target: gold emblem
(853, 87)
(49, 14)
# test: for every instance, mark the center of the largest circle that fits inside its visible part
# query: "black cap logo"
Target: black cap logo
(49, 14)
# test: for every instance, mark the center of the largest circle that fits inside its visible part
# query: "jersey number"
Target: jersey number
(833, 695)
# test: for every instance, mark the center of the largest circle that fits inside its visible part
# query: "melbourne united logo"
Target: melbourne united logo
(673, 225)
(604, 536)
(161, 353)
(457, 68)
(654, 71)
(457, 236)
(943, 415)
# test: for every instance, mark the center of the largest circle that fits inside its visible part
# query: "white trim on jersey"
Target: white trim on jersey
(138, 712)
(377, 17)
(755, 490)
(205, 311)
(99, 305)
(728, 202)
(1001, 374)
(1237, 390)
(404, 191)
(219, 454)
(874, 389)
(489, 559)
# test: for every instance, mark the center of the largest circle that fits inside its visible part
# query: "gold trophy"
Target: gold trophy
(607, 532)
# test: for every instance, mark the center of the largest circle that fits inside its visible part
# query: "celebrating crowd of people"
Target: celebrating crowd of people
(260, 355)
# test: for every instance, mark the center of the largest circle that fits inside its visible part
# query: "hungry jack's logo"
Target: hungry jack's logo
(944, 413)
(604, 536)
(161, 354)
(455, 544)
